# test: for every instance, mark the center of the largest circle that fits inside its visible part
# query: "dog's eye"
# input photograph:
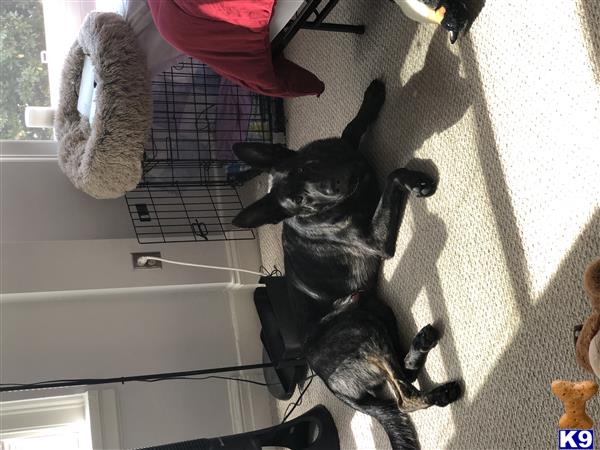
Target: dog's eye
(300, 170)
(299, 199)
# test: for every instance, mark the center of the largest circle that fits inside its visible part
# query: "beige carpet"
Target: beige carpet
(509, 119)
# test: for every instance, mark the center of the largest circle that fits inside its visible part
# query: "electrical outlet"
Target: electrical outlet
(150, 264)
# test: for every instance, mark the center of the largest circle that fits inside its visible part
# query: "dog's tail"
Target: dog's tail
(396, 424)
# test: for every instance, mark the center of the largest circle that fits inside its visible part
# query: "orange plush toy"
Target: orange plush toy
(588, 341)
(574, 396)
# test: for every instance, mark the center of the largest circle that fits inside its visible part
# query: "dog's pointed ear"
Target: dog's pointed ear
(265, 210)
(261, 156)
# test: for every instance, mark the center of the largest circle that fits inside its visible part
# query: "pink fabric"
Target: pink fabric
(232, 37)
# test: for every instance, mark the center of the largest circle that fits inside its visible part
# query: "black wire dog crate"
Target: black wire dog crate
(188, 191)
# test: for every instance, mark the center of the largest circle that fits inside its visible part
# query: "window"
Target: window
(60, 438)
(35, 37)
(70, 422)
(24, 76)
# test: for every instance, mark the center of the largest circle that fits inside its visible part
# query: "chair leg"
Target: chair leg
(334, 27)
(301, 21)
(313, 430)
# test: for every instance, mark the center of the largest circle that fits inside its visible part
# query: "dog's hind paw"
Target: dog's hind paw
(445, 394)
(421, 185)
(423, 190)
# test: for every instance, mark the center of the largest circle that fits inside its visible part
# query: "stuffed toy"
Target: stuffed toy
(452, 15)
(588, 342)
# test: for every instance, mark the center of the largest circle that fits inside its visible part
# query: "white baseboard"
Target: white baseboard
(250, 405)
(240, 404)
(243, 254)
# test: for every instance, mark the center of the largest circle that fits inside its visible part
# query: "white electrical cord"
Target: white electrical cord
(143, 260)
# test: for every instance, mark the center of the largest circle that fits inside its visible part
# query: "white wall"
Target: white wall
(127, 332)
(56, 238)
(39, 203)
(104, 264)
(72, 306)
(101, 264)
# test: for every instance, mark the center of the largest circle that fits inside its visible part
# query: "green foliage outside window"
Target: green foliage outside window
(23, 77)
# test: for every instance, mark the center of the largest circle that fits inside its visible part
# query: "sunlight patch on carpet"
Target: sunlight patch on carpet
(405, 236)
(421, 311)
(440, 427)
(541, 120)
(362, 431)
(477, 303)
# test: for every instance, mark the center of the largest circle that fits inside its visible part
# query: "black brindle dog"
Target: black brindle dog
(337, 228)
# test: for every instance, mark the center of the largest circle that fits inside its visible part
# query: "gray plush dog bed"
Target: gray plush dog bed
(104, 159)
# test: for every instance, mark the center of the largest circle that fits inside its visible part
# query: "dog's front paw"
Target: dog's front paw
(419, 183)
(426, 339)
(445, 394)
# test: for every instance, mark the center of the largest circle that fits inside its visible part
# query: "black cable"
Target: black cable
(43, 384)
(298, 402)
(93, 381)
(275, 272)
(216, 377)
